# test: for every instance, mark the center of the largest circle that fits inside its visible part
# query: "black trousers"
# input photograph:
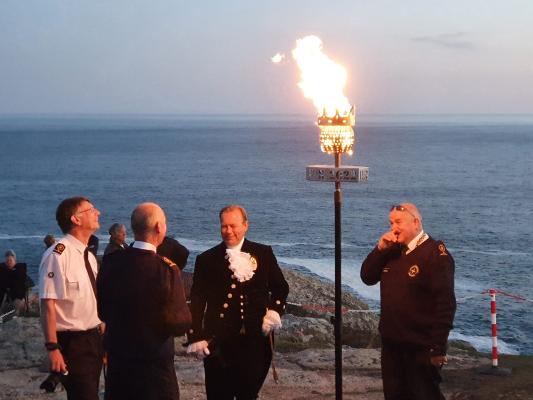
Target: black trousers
(407, 373)
(129, 379)
(83, 352)
(237, 368)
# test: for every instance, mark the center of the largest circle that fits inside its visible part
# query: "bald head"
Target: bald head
(411, 208)
(148, 223)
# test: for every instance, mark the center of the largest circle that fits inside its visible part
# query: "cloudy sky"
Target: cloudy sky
(196, 56)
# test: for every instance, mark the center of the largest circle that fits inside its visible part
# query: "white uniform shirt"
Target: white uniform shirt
(63, 277)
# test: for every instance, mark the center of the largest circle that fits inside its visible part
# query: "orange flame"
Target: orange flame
(322, 80)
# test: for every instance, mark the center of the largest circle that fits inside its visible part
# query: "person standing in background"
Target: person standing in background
(174, 250)
(49, 240)
(416, 276)
(117, 239)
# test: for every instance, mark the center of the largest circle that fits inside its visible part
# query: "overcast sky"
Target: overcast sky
(172, 56)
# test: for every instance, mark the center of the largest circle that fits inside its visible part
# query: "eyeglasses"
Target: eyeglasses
(402, 208)
(92, 210)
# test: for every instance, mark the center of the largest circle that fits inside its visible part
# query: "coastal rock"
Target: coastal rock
(303, 332)
(312, 298)
(310, 306)
(304, 375)
(315, 296)
(304, 357)
(360, 330)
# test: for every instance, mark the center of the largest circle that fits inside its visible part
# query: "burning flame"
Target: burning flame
(277, 58)
(322, 80)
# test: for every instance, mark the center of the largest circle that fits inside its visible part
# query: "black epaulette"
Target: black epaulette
(59, 249)
(169, 262)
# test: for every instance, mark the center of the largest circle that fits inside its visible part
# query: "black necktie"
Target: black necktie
(89, 269)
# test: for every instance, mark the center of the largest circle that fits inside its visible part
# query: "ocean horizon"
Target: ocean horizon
(469, 175)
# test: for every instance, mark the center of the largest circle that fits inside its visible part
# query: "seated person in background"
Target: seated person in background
(13, 281)
(173, 250)
(49, 240)
(117, 239)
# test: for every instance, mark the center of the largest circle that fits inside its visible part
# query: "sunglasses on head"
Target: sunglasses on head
(399, 207)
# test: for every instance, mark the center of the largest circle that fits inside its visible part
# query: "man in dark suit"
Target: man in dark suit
(174, 250)
(237, 298)
(141, 300)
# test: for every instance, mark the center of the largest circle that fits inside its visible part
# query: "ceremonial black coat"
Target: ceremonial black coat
(417, 293)
(223, 307)
(141, 300)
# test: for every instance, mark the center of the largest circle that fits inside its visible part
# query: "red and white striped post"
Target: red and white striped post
(492, 293)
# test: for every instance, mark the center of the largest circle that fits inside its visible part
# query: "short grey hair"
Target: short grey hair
(233, 207)
(10, 253)
(113, 229)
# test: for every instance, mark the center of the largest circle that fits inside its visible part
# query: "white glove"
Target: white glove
(240, 264)
(200, 348)
(271, 322)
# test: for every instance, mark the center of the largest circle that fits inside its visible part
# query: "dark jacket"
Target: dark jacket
(13, 281)
(141, 300)
(232, 307)
(113, 246)
(93, 245)
(417, 293)
(174, 250)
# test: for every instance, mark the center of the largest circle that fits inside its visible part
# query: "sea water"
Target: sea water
(469, 175)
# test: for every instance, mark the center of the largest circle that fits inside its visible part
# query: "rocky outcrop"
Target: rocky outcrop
(307, 374)
(306, 341)
(310, 309)
(304, 375)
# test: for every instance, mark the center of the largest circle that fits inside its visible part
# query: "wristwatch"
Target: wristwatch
(51, 346)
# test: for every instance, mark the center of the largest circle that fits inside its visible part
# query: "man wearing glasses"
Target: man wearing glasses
(68, 303)
(416, 275)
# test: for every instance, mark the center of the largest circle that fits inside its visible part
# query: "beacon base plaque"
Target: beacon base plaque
(329, 173)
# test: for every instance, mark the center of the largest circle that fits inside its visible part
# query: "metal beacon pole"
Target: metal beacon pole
(337, 137)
